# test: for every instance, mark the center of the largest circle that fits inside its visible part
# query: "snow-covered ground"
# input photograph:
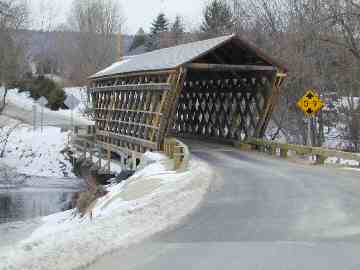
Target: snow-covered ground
(20, 106)
(37, 153)
(151, 200)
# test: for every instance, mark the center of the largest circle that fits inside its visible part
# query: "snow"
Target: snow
(35, 153)
(148, 202)
(349, 102)
(341, 161)
(81, 94)
(114, 66)
(20, 106)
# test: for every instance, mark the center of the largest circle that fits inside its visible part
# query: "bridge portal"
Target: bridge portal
(223, 88)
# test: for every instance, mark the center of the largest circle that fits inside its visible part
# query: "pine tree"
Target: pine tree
(177, 30)
(139, 39)
(159, 25)
(218, 19)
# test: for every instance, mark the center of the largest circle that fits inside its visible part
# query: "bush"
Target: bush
(41, 86)
(87, 198)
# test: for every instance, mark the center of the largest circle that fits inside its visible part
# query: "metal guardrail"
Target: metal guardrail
(321, 153)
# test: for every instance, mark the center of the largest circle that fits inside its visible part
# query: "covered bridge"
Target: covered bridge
(222, 88)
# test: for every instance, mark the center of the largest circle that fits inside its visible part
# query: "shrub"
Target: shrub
(41, 86)
(87, 198)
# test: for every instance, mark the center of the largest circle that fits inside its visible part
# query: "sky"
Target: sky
(138, 13)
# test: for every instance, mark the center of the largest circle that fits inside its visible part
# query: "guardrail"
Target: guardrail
(321, 153)
(177, 150)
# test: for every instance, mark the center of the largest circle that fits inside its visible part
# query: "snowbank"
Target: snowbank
(148, 202)
(35, 153)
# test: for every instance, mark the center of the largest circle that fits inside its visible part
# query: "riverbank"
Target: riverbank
(22, 206)
(150, 201)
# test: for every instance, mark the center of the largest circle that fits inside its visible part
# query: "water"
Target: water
(27, 203)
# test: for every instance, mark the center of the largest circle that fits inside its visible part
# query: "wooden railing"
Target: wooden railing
(100, 153)
(178, 151)
(321, 153)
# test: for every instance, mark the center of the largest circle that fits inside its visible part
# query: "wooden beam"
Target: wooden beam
(127, 123)
(129, 139)
(117, 149)
(134, 87)
(224, 67)
(128, 110)
(132, 74)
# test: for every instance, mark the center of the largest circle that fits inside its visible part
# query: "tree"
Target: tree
(177, 30)
(218, 19)
(95, 24)
(159, 26)
(343, 21)
(139, 39)
(13, 16)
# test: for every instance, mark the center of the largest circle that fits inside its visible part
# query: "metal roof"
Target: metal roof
(169, 58)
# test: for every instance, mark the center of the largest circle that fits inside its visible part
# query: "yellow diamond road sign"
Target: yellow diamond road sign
(310, 103)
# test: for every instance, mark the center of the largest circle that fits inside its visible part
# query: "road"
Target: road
(260, 213)
(50, 118)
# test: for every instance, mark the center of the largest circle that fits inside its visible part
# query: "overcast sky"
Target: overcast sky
(138, 13)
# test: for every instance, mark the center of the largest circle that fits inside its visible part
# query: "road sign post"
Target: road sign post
(42, 102)
(34, 107)
(310, 104)
(309, 141)
(71, 102)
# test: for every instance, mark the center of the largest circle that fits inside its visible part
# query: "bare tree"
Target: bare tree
(95, 23)
(13, 16)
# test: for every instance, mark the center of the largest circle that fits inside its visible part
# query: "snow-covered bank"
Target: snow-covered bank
(35, 153)
(148, 202)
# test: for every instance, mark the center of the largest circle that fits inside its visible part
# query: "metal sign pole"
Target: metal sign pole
(42, 119)
(34, 116)
(309, 143)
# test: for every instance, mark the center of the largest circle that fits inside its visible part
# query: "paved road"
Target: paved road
(261, 213)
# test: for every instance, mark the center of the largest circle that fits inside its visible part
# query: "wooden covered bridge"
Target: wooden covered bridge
(221, 88)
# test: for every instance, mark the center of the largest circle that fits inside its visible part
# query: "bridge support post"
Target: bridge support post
(133, 161)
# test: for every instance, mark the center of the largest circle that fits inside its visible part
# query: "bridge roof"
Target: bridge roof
(174, 57)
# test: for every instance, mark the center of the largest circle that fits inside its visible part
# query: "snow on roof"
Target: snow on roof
(174, 57)
(162, 59)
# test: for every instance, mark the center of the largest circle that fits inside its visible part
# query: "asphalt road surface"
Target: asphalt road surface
(261, 213)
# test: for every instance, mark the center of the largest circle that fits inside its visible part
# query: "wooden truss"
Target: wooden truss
(137, 111)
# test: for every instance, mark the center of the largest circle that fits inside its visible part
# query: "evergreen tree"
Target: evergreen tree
(139, 39)
(177, 30)
(218, 19)
(159, 25)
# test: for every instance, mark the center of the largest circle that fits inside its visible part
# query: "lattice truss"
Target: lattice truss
(227, 109)
(136, 113)
(129, 112)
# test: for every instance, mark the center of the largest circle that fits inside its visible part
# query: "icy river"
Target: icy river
(24, 203)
